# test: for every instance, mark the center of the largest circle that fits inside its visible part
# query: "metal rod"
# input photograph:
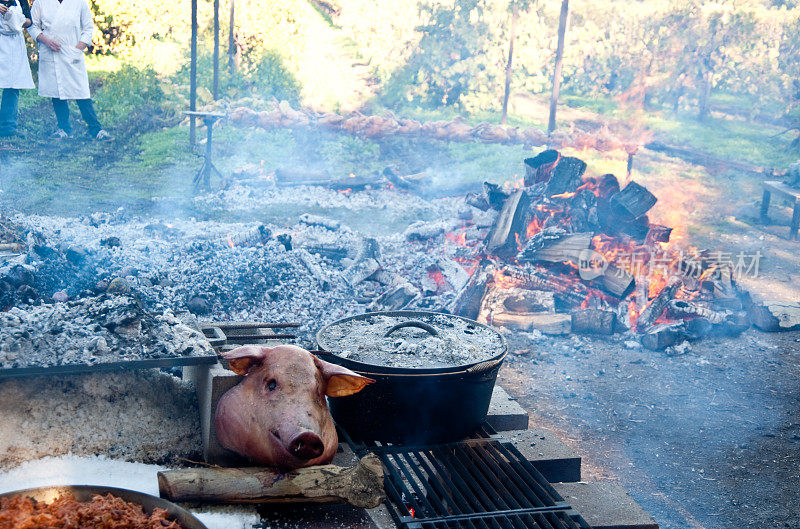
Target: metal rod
(193, 77)
(215, 83)
(252, 325)
(240, 337)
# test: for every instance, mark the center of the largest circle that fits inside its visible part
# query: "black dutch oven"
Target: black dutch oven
(414, 405)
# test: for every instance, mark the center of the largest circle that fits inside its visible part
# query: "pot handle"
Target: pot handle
(412, 323)
(484, 366)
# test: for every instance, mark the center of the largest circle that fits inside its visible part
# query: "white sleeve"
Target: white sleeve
(35, 28)
(87, 24)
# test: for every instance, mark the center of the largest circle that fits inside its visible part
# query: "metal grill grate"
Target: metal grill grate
(479, 483)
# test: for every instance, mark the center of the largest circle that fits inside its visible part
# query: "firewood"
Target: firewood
(365, 263)
(551, 246)
(312, 265)
(637, 229)
(663, 335)
(468, 301)
(658, 233)
(396, 297)
(332, 251)
(540, 167)
(477, 201)
(360, 485)
(12, 247)
(682, 309)
(567, 293)
(509, 225)
(632, 202)
(616, 281)
(653, 310)
(495, 195)
(500, 300)
(301, 177)
(566, 176)
(594, 321)
(548, 323)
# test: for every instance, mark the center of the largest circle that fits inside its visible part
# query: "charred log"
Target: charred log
(540, 167)
(566, 177)
(495, 196)
(396, 298)
(658, 233)
(616, 281)
(656, 307)
(469, 299)
(594, 321)
(632, 202)
(661, 336)
(554, 245)
(509, 225)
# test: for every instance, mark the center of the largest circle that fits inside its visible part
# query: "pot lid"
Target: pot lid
(411, 340)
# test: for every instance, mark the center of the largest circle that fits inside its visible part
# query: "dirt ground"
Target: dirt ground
(708, 439)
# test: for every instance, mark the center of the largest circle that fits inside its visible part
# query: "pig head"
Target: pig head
(277, 415)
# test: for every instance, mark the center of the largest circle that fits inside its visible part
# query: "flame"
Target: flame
(459, 237)
(230, 241)
(345, 191)
(564, 195)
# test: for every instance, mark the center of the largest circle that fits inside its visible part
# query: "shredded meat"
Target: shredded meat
(103, 512)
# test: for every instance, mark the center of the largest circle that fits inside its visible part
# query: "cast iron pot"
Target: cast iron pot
(413, 406)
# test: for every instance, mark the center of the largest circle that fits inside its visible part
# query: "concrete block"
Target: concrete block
(605, 505)
(505, 413)
(551, 457)
(212, 382)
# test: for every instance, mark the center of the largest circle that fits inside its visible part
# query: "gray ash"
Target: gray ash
(458, 342)
(93, 330)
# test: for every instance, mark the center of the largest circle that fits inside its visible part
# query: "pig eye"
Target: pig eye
(272, 384)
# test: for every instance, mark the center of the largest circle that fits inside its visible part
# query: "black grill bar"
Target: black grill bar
(480, 483)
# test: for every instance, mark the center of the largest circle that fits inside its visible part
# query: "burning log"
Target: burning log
(656, 307)
(468, 301)
(546, 322)
(594, 321)
(632, 202)
(495, 196)
(396, 298)
(555, 246)
(567, 293)
(540, 167)
(680, 309)
(360, 485)
(517, 301)
(318, 220)
(510, 224)
(453, 273)
(616, 281)
(477, 201)
(658, 233)
(566, 176)
(661, 336)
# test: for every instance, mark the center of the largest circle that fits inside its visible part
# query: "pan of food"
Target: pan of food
(93, 507)
(434, 374)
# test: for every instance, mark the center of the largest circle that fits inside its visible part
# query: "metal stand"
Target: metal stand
(203, 177)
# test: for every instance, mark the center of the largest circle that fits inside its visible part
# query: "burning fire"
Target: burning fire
(230, 241)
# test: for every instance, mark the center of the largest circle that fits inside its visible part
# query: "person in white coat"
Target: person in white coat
(15, 71)
(63, 29)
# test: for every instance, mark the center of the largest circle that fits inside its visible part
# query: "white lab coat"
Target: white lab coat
(62, 74)
(13, 53)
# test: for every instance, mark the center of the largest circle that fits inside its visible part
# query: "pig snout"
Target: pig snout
(306, 446)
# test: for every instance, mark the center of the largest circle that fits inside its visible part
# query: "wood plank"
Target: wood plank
(782, 189)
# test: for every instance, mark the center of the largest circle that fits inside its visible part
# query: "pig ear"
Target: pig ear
(341, 381)
(242, 359)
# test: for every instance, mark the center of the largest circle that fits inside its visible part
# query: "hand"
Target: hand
(3, 10)
(82, 46)
(50, 43)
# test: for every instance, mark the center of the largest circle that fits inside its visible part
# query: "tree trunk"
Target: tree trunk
(705, 96)
(507, 93)
(233, 50)
(562, 32)
(193, 76)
